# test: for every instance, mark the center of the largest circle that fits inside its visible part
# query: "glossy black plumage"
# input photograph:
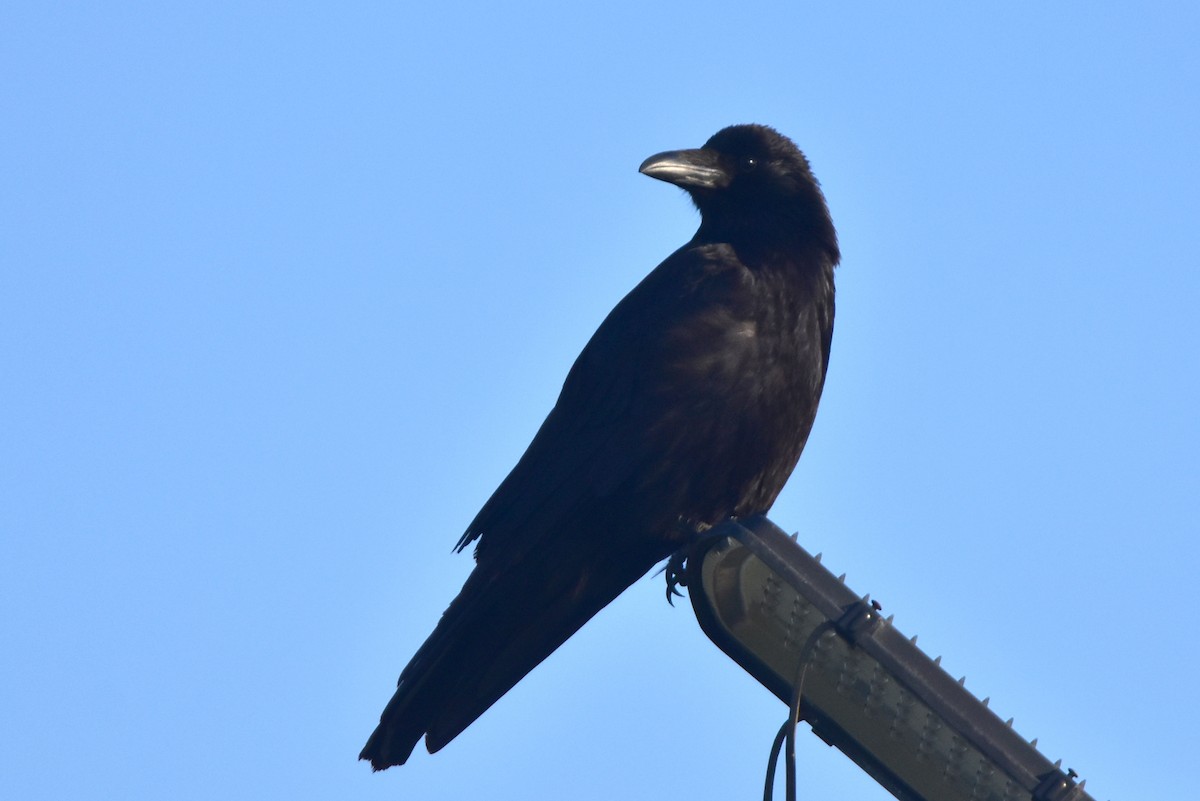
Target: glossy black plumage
(690, 404)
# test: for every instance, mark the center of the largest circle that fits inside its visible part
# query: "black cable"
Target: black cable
(787, 732)
(772, 759)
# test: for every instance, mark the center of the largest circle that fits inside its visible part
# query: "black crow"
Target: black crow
(690, 404)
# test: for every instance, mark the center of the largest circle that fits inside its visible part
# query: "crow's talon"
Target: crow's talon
(676, 571)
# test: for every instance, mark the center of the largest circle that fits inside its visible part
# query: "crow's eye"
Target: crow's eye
(749, 163)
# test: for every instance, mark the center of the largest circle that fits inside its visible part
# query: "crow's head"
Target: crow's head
(749, 182)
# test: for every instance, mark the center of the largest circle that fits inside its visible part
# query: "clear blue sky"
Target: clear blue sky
(286, 289)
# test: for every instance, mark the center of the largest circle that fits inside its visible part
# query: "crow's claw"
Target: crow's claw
(676, 571)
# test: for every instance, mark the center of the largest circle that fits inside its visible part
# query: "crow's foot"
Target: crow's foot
(676, 571)
(689, 532)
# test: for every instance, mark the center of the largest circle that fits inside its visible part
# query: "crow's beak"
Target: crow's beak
(689, 169)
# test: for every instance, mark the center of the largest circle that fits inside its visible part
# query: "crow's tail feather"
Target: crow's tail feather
(503, 623)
